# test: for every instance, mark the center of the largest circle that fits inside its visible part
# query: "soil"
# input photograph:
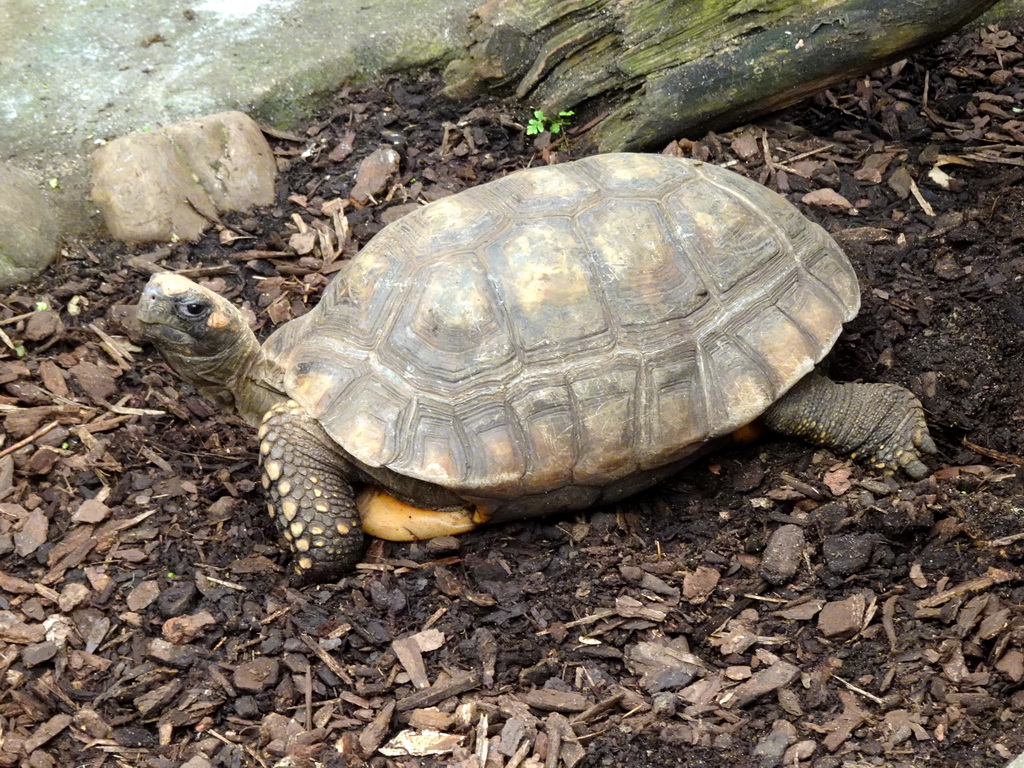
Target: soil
(771, 605)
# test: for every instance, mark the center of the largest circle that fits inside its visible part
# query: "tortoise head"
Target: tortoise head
(206, 340)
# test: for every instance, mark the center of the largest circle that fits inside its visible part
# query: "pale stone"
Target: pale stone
(174, 182)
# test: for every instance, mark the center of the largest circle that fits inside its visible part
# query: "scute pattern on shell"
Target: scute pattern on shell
(569, 325)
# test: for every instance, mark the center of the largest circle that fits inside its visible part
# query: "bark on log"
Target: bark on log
(648, 71)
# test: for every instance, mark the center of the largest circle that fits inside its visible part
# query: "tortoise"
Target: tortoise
(559, 338)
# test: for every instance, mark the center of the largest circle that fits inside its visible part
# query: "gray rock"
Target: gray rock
(28, 230)
(173, 183)
(782, 555)
(770, 748)
(37, 653)
(848, 553)
(663, 704)
(178, 656)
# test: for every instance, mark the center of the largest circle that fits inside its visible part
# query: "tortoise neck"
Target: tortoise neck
(258, 387)
(242, 378)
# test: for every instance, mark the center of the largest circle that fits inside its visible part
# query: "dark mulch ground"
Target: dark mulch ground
(772, 605)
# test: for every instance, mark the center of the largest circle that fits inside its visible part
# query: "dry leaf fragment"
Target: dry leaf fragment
(185, 629)
(303, 242)
(410, 743)
(873, 167)
(838, 479)
(827, 198)
(700, 584)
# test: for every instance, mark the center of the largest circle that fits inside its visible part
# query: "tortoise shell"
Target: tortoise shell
(568, 326)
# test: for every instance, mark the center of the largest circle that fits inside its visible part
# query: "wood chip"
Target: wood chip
(557, 701)
(562, 743)
(631, 608)
(992, 577)
(374, 734)
(329, 660)
(45, 732)
(765, 681)
(14, 630)
(851, 718)
(32, 533)
(411, 659)
(442, 689)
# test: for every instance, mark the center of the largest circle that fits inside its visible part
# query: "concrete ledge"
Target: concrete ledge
(77, 74)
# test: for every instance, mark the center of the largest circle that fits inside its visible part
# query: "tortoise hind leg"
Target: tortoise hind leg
(883, 424)
(309, 493)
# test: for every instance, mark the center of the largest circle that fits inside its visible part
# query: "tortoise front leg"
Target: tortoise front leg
(882, 424)
(309, 493)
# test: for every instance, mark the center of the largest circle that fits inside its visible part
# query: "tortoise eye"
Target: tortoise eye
(193, 310)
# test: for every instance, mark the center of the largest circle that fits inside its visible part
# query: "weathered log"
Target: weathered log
(646, 71)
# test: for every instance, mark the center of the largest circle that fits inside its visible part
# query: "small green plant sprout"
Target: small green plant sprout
(540, 122)
(41, 306)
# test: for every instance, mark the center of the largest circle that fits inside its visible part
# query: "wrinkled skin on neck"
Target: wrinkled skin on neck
(206, 340)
